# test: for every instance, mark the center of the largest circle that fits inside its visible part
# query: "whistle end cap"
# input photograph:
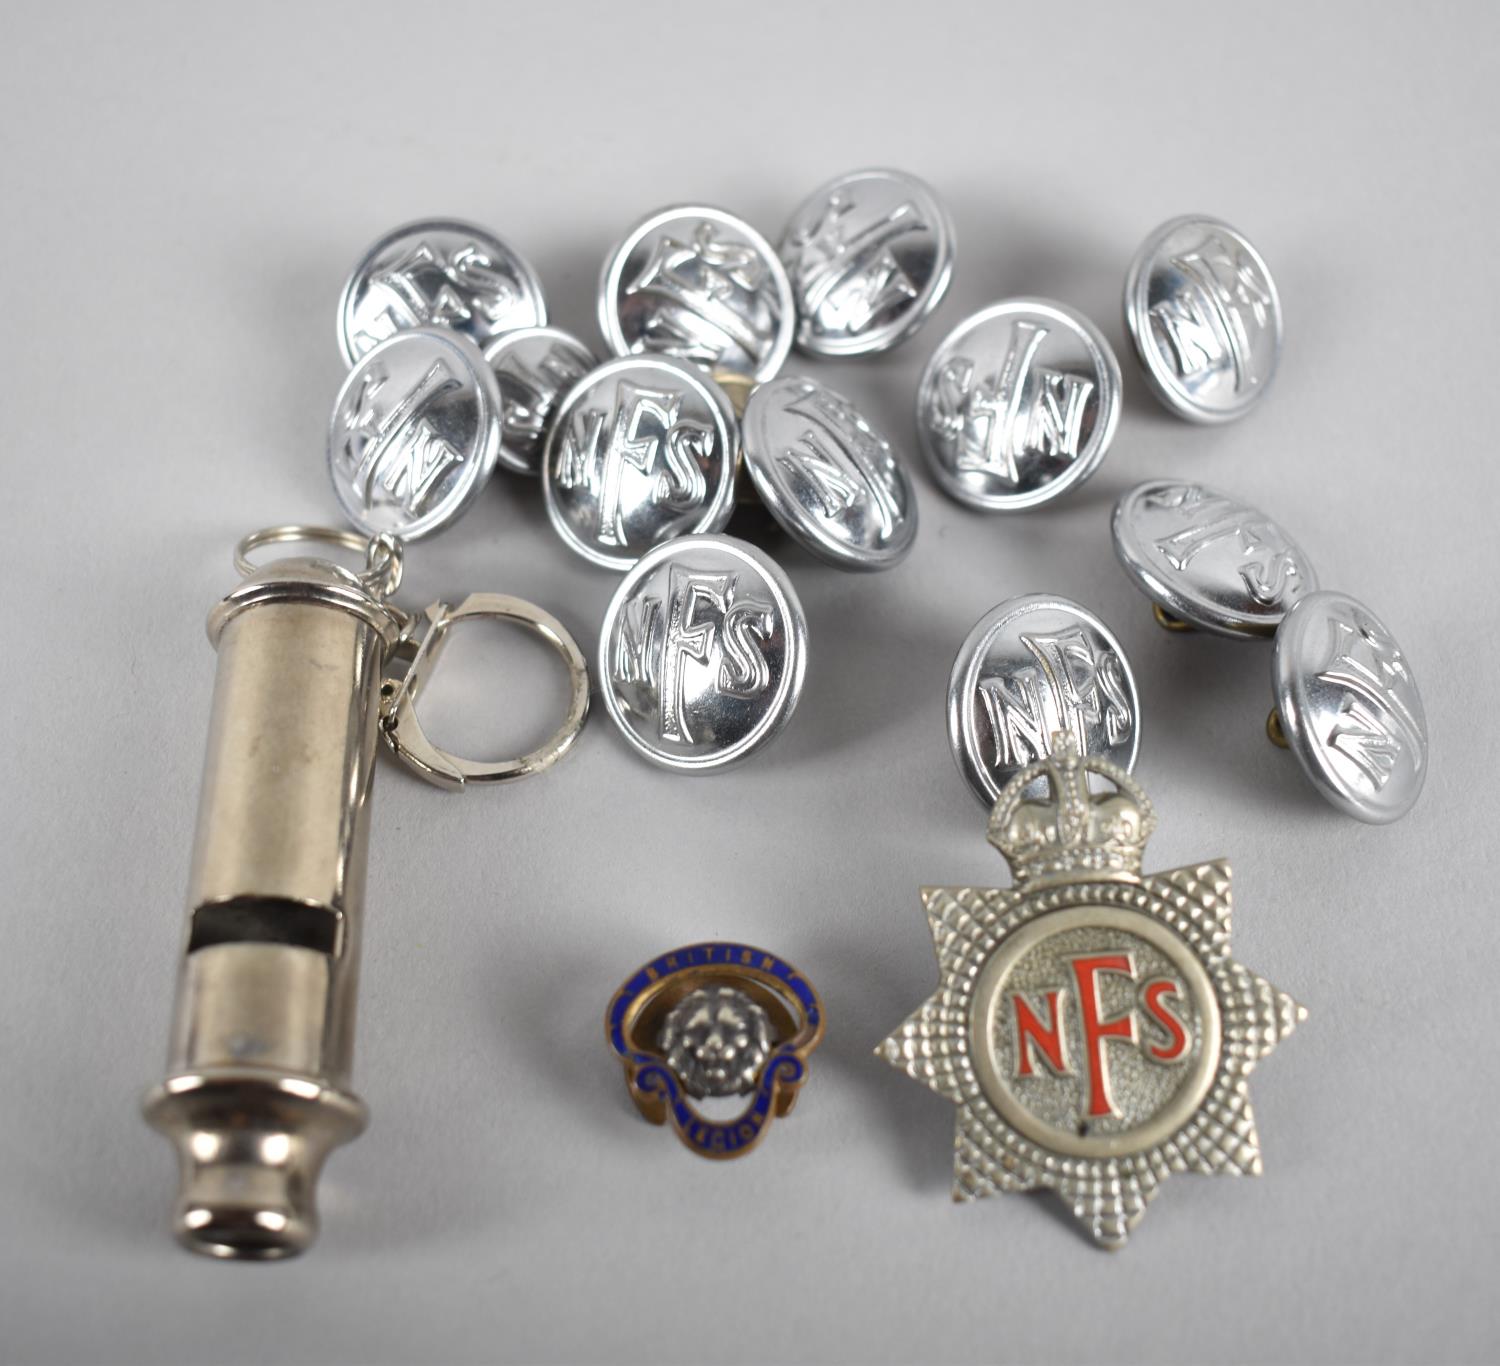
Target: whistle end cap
(250, 1149)
(257, 1232)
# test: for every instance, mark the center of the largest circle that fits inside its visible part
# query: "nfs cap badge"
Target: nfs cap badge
(1090, 1025)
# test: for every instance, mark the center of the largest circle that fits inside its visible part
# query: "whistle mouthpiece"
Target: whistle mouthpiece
(250, 1147)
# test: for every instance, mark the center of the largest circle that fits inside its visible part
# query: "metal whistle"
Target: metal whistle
(315, 667)
(257, 1092)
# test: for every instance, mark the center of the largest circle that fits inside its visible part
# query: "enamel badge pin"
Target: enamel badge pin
(1090, 1023)
(710, 1022)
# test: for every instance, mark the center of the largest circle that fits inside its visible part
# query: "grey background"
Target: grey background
(183, 191)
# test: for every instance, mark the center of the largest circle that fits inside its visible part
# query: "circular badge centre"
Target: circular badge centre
(1096, 1032)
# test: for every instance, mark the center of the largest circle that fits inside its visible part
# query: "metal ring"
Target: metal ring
(383, 553)
(398, 708)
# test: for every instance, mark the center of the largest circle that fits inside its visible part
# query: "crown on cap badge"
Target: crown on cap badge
(1074, 833)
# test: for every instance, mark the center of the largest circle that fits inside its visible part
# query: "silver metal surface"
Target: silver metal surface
(702, 285)
(703, 652)
(1202, 310)
(1349, 707)
(415, 433)
(441, 273)
(534, 367)
(1089, 1023)
(869, 256)
(257, 1092)
(1032, 667)
(641, 450)
(716, 1040)
(402, 729)
(1208, 559)
(1018, 405)
(384, 554)
(827, 476)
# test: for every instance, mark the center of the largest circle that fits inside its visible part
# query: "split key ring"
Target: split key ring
(402, 730)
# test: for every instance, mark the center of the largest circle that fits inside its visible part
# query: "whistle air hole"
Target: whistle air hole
(265, 920)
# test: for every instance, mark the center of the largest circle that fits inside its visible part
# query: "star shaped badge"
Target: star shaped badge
(1090, 1023)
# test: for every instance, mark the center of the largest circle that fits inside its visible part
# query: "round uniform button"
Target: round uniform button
(1209, 559)
(701, 285)
(829, 478)
(1035, 666)
(438, 273)
(1349, 707)
(1203, 313)
(1018, 405)
(534, 367)
(869, 256)
(415, 433)
(642, 449)
(702, 653)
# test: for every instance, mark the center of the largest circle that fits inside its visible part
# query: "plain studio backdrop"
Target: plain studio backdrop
(184, 189)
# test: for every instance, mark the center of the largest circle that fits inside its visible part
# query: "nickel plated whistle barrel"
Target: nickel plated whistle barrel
(257, 1092)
